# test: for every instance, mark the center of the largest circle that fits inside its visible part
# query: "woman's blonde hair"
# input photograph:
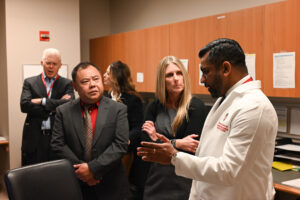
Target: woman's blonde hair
(161, 93)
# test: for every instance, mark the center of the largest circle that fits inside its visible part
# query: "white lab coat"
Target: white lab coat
(234, 157)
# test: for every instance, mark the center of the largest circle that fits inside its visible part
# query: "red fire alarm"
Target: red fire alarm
(44, 36)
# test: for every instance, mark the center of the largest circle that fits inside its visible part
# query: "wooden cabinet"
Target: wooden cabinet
(4, 144)
(281, 25)
(247, 27)
(182, 45)
(262, 30)
(129, 48)
(101, 52)
(141, 50)
(157, 47)
(4, 155)
(207, 29)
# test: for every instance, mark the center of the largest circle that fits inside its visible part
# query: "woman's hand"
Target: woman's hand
(149, 128)
(188, 143)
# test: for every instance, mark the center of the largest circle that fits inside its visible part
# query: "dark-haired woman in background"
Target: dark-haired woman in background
(121, 88)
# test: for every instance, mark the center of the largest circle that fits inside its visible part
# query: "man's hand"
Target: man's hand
(84, 173)
(188, 143)
(66, 97)
(37, 101)
(153, 152)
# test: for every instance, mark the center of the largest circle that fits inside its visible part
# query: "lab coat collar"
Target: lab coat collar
(241, 87)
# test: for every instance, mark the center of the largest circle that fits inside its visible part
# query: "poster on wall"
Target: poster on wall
(284, 70)
(185, 63)
(36, 69)
(200, 75)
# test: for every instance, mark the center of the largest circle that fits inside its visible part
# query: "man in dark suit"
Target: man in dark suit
(40, 96)
(97, 162)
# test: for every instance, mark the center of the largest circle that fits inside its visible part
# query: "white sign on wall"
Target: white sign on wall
(36, 69)
(139, 77)
(284, 70)
(185, 63)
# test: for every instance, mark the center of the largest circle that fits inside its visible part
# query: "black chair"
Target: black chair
(53, 180)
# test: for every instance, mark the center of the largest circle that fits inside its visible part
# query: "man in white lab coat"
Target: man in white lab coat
(234, 158)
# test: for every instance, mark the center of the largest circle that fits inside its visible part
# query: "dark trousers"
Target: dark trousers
(42, 151)
(88, 193)
(136, 192)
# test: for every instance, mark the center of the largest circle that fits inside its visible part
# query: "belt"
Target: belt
(46, 132)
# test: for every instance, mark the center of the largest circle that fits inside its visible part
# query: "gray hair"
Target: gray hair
(51, 51)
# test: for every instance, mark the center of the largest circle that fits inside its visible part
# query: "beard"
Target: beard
(215, 88)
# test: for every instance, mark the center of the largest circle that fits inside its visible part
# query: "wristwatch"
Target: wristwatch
(173, 142)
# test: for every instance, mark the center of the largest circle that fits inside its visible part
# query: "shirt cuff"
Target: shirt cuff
(175, 157)
(44, 101)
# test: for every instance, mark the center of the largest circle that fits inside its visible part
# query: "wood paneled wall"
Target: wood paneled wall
(262, 30)
(282, 33)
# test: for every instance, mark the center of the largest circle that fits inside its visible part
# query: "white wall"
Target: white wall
(94, 22)
(4, 158)
(127, 15)
(24, 20)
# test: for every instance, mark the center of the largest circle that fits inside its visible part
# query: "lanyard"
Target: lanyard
(43, 79)
(248, 80)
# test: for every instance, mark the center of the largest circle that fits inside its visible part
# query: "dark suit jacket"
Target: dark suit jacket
(33, 87)
(110, 143)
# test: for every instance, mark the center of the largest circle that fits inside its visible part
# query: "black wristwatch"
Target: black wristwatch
(173, 142)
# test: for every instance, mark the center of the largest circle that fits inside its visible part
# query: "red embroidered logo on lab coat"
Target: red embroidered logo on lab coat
(222, 127)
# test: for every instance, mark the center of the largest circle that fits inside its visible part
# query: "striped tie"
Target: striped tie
(88, 132)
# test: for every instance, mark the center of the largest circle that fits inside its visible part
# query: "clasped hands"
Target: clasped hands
(84, 173)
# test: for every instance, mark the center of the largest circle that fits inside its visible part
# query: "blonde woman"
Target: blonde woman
(178, 116)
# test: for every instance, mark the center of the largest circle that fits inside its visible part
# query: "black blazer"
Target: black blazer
(162, 182)
(197, 114)
(135, 115)
(135, 110)
(110, 143)
(33, 87)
